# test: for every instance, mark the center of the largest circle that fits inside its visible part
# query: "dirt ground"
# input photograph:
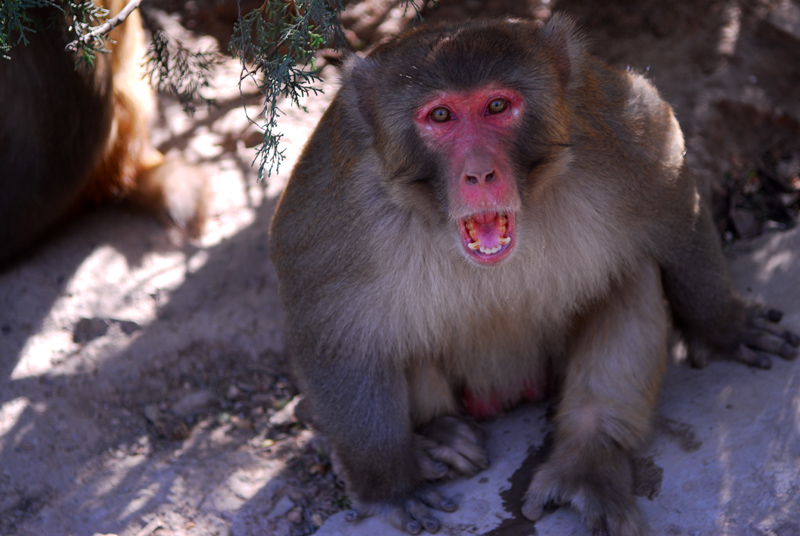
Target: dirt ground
(143, 383)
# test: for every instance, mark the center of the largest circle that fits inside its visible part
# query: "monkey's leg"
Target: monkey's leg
(362, 405)
(714, 321)
(609, 393)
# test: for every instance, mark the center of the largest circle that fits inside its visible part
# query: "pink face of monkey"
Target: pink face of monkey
(472, 130)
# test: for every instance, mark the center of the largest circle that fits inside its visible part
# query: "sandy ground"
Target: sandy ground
(143, 384)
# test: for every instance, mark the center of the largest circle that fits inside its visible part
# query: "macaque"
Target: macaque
(487, 214)
(72, 135)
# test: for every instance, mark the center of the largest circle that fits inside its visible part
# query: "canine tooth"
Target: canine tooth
(474, 245)
(502, 229)
(506, 240)
(469, 224)
(473, 234)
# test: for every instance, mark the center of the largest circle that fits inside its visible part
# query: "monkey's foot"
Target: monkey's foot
(599, 487)
(449, 447)
(412, 515)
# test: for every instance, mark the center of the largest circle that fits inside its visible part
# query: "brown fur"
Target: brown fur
(389, 321)
(71, 137)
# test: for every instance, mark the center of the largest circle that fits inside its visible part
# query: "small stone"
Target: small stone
(282, 507)
(295, 515)
(285, 416)
(193, 403)
(89, 329)
(745, 223)
(316, 519)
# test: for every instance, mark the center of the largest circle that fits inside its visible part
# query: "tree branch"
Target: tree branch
(107, 26)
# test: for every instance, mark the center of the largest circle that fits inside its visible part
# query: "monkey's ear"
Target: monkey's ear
(568, 45)
(357, 81)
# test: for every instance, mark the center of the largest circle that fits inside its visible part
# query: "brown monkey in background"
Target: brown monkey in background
(484, 211)
(76, 134)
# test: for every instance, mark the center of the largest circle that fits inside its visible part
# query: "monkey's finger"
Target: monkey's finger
(533, 507)
(400, 519)
(420, 513)
(432, 469)
(752, 358)
(791, 338)
(765, 325)
(467, 459)
(772, 344)
(755, 311)
(393, 513)
(433, 498)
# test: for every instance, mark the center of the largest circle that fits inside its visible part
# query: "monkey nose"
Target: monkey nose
(483, 177)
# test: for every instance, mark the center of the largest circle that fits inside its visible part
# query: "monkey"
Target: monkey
(487, 214)
(73, 135)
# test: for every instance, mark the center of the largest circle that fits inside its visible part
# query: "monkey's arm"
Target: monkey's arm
(609, 393)
(363, 409)
(714, 321)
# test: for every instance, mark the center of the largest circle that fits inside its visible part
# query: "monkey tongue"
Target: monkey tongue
(488, 236)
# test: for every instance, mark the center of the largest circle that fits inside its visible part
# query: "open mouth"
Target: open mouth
(488, 236)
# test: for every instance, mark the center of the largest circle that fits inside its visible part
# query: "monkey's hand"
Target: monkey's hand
(450, 447)
(762, 339)
(599, 486)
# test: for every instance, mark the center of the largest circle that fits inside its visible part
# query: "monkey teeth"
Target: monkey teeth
(491, 251)
(476, 246)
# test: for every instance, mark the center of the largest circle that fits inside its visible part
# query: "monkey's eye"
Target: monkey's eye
(440, 115)
(497, 106)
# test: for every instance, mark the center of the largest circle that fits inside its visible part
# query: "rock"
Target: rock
(282, 507)
(89, 329)
(285, 416)
(193, 404)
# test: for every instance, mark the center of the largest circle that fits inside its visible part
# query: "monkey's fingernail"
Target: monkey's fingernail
(351, 516)
(774, 315)
(431, 524)
(474, 245)
(413, 527)
(504, 241)
(447, 505)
